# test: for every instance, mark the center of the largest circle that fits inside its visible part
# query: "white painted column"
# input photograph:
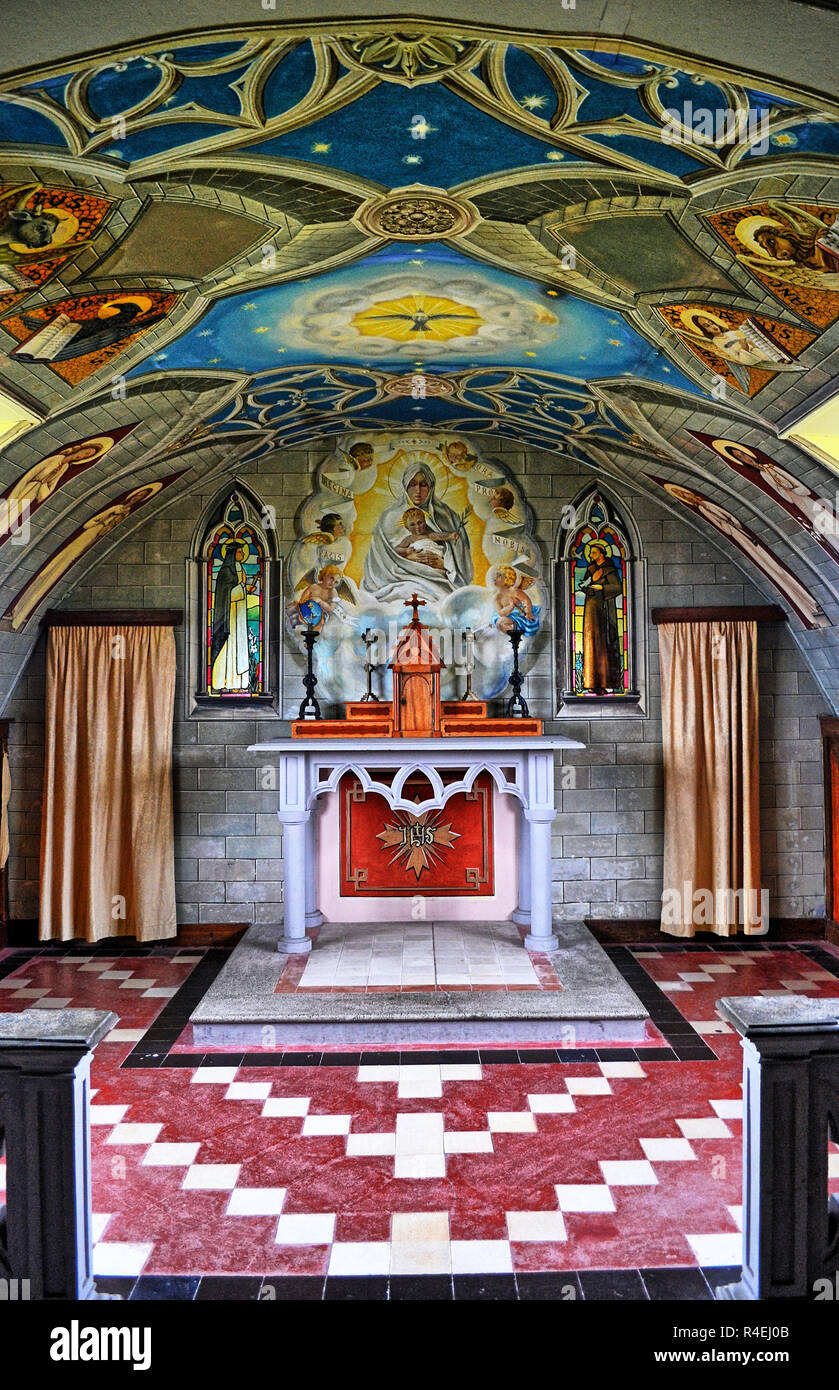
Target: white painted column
(521, 914)
(314, 917)
(540, 811)
(295, 816)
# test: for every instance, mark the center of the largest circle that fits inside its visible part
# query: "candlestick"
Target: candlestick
(516, 705)
(368, 637)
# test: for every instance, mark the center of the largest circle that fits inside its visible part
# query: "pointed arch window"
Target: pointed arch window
(234, 584)
(600, 577)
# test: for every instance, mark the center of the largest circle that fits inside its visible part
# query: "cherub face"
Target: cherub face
(339, 529)
(416, 525)
(503, 580)
(328, 582)
(418, 490)
(362, 455)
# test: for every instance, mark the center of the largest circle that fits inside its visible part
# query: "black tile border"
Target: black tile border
(683, 1043)
(683, 1282)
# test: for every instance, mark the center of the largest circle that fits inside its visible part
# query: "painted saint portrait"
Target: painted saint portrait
(45, 477)
(597, 573)
(811, 512)
(77, 336)
(415, 514)
(792, 248)
(747, 350)
(235, 561)
(33, 594)
(791, 588)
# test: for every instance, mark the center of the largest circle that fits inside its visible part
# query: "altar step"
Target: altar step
(260, 998)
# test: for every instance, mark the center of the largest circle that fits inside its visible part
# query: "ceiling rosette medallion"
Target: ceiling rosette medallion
(417, 213)
(409, 57)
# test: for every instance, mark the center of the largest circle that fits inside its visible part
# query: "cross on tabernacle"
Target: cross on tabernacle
(415, 603)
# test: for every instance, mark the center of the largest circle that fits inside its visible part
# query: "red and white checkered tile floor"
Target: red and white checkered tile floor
(411, 1169)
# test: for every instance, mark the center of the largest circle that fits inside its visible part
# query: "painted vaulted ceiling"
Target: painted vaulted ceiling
(213, 248)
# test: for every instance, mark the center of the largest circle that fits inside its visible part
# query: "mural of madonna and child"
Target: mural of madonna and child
(415, 514)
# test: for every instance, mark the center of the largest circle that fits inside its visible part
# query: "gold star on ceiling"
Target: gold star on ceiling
(533, 103)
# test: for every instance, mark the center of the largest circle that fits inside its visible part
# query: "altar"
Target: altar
(521, 768)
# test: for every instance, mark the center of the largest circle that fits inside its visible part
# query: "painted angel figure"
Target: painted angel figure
(743, 346)
(321, 595)
(513, 605)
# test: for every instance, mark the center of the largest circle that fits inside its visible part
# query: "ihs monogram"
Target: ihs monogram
(417, 841)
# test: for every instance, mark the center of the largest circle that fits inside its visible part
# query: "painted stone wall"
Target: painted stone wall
(608, 834)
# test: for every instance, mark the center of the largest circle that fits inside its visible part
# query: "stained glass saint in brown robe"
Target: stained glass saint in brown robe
(601, 649)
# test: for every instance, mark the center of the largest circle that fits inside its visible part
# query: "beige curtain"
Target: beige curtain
(711, 879)
(107, 831)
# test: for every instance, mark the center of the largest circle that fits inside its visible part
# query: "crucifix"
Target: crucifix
(414, 602)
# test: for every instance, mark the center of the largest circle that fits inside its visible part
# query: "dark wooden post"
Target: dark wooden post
(790, 1110)
(45, 1057)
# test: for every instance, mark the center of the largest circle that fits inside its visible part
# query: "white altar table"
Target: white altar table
(520, 767)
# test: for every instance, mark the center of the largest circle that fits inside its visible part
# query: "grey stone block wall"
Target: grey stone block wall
(607, 837)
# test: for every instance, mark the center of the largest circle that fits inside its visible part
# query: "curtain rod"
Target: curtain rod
(744, 613)
(113, 617)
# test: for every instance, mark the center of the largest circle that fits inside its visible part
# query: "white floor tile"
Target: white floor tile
(589, 1196)
(170, 1155)
(98, 1223)
(133, 1134)
(481, 1257)
(119, 1258)
(327, 1124)
(468, 1141)
(256, 1201)
(721, 1249)
(280, 1107)
(628, 1173)
(315, 1229)
(421, 1257)
(704, 1129)
(124, 1035)
(418, 1166)
(621, 1069)
(370, 1145)
(460, 1071)
(378, 1073)
(710, 1025)
(667, 1150)
(107, 1114)
(215, 1076)
(588, 1086)
(360, 1257)
(536, 1225)
(248, 1090)
(551, 1103)
(728, 1109)
(511, 1121)
(211, 1177)
(737, 1216)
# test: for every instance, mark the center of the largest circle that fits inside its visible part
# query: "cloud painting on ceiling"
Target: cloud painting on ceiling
(421, 307)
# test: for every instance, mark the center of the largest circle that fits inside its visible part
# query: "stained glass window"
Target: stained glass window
(234, 627)
(599, 611)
